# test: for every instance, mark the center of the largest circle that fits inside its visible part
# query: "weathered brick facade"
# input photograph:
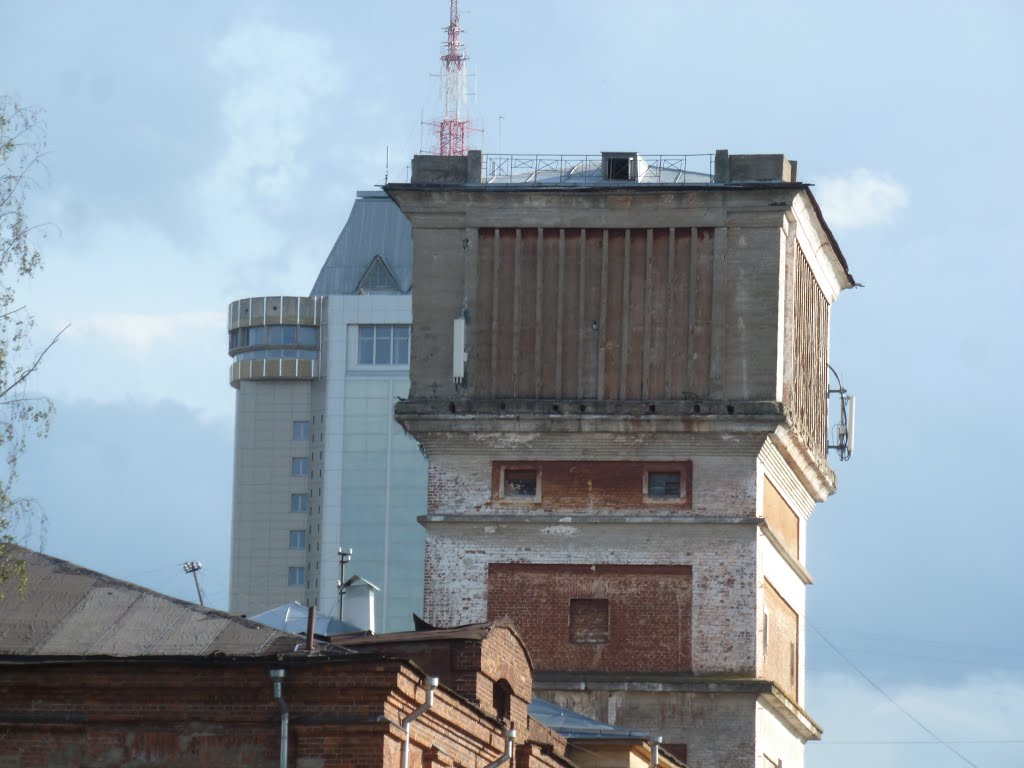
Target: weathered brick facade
(615, 335)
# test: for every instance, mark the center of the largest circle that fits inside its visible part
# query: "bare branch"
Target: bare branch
(35, 364)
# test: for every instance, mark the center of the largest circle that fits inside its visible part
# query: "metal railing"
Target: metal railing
(589, 169)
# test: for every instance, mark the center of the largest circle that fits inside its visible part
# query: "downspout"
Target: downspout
(414, 715)
(655, 751)
(510, 741)
(277, 675)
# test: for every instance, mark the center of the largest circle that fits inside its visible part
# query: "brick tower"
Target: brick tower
(619, 377)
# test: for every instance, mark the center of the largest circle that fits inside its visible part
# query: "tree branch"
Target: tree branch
(35, 364)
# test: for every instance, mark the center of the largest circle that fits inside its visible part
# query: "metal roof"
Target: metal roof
(294, 616)
(375, 227)
(67, 610)
(577, 727)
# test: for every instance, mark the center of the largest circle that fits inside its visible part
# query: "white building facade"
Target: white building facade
(320, 463)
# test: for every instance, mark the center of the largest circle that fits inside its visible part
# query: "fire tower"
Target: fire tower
(619, 377)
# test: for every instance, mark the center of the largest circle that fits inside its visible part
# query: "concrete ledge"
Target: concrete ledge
(527, 517)
(793, 563)
(765, 691)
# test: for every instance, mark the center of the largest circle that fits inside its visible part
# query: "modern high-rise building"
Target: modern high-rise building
(620, 380)
(320, 463)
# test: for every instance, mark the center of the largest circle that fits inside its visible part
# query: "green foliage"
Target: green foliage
(22, 147)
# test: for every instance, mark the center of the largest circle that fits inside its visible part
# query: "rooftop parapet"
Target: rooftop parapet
(604, 169)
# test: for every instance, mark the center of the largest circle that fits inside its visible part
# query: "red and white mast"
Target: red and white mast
(451, 129)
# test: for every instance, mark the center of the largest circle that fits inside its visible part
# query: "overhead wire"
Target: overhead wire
(893, 701)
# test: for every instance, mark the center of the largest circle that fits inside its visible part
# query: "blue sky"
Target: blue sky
(201, 152)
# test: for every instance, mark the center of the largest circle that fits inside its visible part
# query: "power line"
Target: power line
(893, 701)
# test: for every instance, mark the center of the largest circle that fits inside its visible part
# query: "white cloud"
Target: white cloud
(277, 82)
(863, 728)
(142, 332)
(860, 199)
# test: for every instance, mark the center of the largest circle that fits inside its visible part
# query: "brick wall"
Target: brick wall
(174, 712)
(585, 485)
(722, 560)
(608, 618)
(720, 485)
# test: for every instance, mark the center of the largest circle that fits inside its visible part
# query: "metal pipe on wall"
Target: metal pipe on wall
(277, 675)
(414, 715)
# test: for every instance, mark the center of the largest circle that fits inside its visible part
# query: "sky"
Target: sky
(202, 152)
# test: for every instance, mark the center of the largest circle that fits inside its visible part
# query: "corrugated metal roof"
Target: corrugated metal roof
(375, 227)
(68, 610)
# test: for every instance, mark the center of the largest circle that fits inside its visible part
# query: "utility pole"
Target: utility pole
(344, 558)
(193, 567)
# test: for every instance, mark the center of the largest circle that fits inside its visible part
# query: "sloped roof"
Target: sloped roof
(375, 227)
(293, 617)
(68, 610)
(574, 726)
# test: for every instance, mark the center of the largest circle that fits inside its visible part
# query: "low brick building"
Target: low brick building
(99, 672)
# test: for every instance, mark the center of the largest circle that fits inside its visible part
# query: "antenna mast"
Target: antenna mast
(451, 130)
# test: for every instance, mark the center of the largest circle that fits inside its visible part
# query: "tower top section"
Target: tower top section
(451, 128)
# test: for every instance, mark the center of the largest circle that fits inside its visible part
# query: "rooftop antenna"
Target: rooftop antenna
(451, 129)
(843, 430)
(194, 567)
(387, 162)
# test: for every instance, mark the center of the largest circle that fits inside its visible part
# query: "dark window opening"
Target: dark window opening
(588, 620)
(502, 698)
(619, 168)
(520, 483)
(664, 485)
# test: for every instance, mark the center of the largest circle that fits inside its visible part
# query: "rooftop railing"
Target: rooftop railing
(590, 169)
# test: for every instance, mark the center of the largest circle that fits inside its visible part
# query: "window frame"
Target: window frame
(399, 343)
(297, 539)
(305, 505)
(520, 499)
(685, 471)
(308, 466)
(301, 431)
(296, 575)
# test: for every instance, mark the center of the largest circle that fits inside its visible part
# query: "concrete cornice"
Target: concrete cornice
(793, 563)
(527, 517)
(769, 694)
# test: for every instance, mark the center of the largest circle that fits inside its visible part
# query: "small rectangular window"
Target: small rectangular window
(668, 483)
(519, 484)
(296, 576)
(296, 539)
(300, 502)
(588, 620)
(300, 430)
(664, 485)
(300, 466)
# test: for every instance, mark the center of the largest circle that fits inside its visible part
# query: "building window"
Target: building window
(383, 345)
(520, 483)
(300, 466)
(664, 485)
(588, 620)
(667, 484)
(300, 430)
(296, 539)
(300, 502)
(296, 576)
